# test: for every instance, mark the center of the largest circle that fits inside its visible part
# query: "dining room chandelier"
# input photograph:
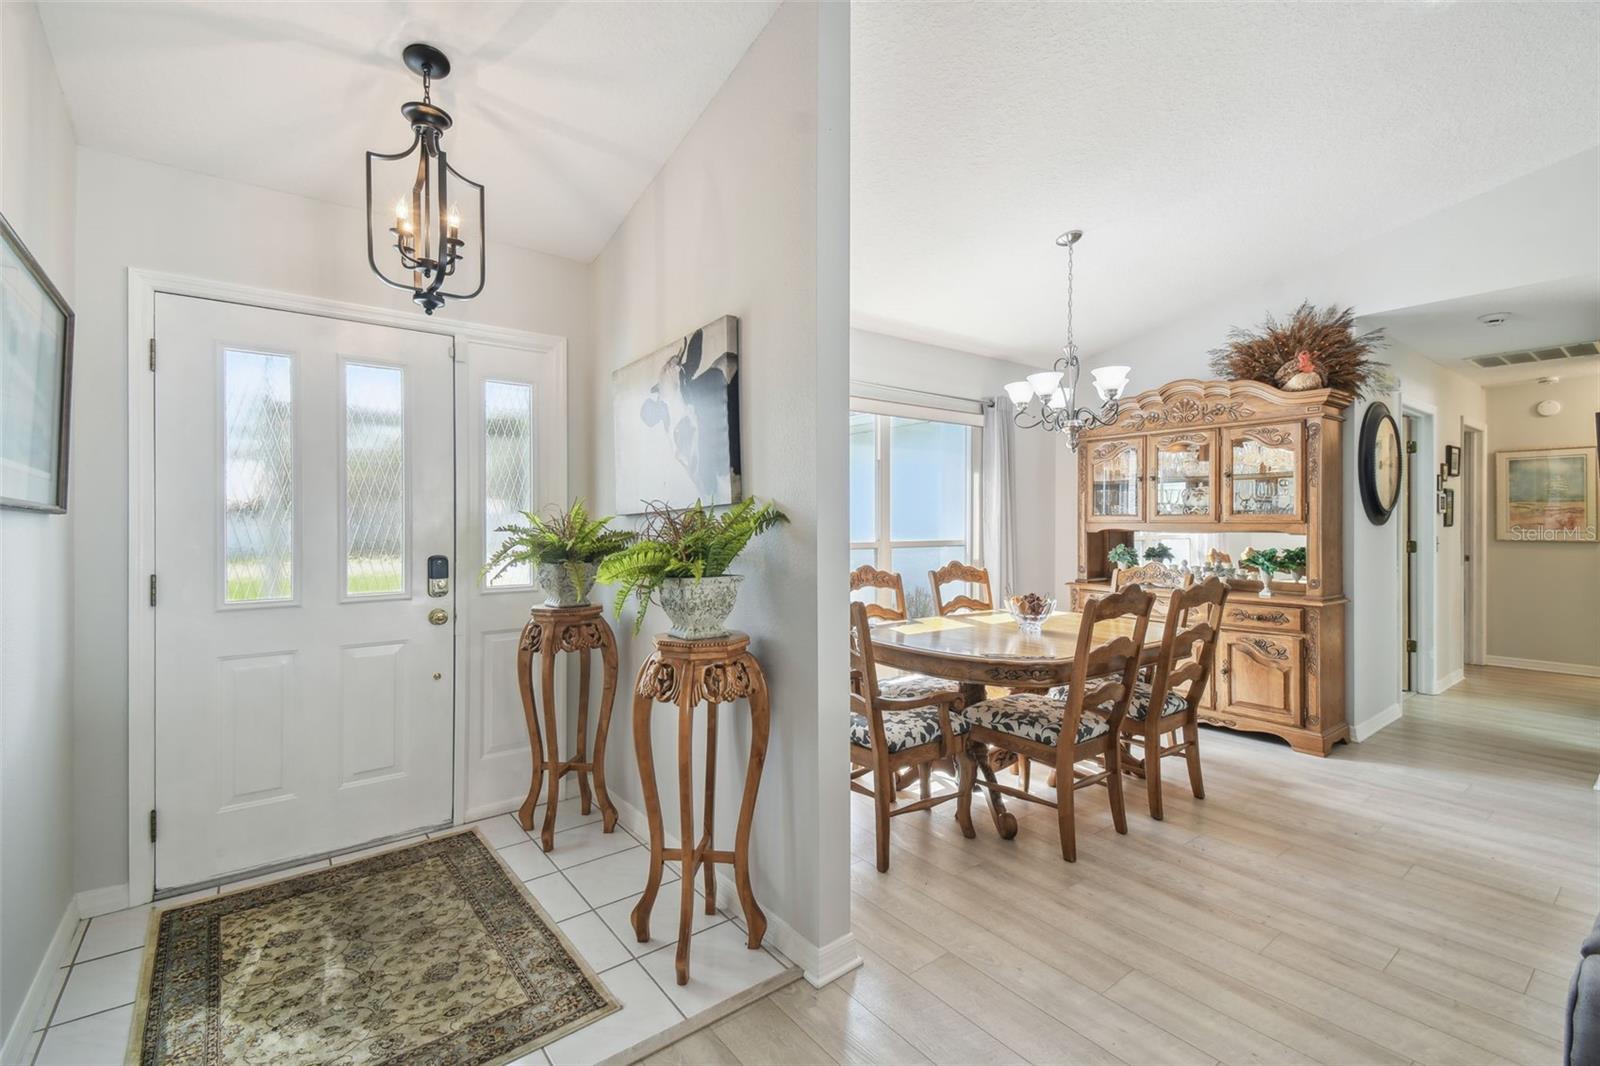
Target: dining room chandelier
(425, 243)
(1049, 399)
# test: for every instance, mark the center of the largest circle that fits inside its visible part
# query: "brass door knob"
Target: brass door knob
(438, 616)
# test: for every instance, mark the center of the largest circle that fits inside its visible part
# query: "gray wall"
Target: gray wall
(1542, 593)
(36, 196)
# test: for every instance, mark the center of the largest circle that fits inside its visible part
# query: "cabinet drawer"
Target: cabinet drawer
(1260, 675)
(1252, 614)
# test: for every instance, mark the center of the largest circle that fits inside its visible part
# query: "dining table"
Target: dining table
(983, 649)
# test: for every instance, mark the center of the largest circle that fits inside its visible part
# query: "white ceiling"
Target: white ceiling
(1202, 147)
(1541, 317)
(564, 110)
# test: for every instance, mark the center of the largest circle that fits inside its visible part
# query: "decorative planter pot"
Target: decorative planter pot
(1266, 584)
(699, 609)
(566, 584)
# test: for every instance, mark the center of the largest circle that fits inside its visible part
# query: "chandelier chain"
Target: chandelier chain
(1071, 346)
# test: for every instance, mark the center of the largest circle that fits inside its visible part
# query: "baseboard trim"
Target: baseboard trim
(1448, 681)
(1366, 727)
(1545, 666)
(98, 901)
(16, 1042)
(819, 965)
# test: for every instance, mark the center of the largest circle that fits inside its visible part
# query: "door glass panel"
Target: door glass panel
(930, 472)
(863, 476)
(1262, 462)
(1183, 475)
(507, 470)
(258, 507)
(375, 480)
(1115, 472)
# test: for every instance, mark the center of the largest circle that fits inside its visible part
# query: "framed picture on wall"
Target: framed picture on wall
(1449, 507)
(1452, 460)
(35, 381)
(675, 416)
(1545, 494)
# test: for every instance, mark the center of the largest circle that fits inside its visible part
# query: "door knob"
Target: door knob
(438, 616)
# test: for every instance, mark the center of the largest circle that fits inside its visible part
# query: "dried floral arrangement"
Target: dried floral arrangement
(1278, 353)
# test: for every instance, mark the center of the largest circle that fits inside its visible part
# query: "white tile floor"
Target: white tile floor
(588, 885)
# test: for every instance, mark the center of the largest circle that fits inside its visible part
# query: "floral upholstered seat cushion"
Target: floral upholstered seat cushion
(914, 686)
(1139, 706)
(904, 729)
(1031, 717)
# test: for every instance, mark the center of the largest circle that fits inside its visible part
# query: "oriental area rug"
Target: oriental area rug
(431, 953)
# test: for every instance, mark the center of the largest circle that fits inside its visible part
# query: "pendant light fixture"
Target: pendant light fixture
(428, 237)
(1044, 401)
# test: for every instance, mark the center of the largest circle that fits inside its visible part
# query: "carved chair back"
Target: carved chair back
(867, 576)
(1103, 673)
(958, 571)
(1154, 574)
(1188, 649)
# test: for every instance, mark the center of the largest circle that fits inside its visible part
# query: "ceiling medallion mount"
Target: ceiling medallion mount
(427, 239)
(1049, 399)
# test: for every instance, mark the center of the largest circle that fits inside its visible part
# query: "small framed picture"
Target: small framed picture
(1452, 460)
(1438, 484)
(1449, 507)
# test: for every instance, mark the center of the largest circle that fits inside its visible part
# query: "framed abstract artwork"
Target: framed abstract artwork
(1452, 460)
(35, 381)
(675, 417)
(1545, 494)
(1449, 507)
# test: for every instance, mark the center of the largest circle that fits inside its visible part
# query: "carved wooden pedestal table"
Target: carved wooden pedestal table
(581, 630)
(685, 672)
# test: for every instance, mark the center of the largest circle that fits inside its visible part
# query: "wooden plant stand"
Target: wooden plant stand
(551, 630)
(685, 672)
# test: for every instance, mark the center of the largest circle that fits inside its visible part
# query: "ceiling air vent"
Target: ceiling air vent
(1579, 350)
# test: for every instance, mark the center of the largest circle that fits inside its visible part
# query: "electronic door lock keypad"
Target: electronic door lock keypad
(438, 575)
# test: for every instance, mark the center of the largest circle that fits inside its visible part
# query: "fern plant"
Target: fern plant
(1158, 553)
(1122, 557)
(689, 543)
(570, 537)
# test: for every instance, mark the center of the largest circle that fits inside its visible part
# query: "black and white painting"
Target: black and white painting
(676, 413)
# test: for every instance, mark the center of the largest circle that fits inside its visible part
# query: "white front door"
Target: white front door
(304, 675)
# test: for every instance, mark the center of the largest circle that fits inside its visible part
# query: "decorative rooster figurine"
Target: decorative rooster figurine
(1299, 374)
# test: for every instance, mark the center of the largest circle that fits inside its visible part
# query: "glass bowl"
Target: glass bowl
(1030, 621)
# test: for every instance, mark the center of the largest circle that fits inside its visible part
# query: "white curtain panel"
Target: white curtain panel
(999, 525)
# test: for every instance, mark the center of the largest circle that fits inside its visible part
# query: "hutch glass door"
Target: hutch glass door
(1114, 479)
(1184, 468)
(1263, 473)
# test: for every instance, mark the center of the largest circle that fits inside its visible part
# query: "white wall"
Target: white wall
(879, 359)
(36, 801)
(137, 214)
(1542, 591)
(748, 218)
(1540, 227)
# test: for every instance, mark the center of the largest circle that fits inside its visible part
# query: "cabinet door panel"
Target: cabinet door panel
(1115, 468)
(1183, 476)
(1261, 473)
(1260, 675)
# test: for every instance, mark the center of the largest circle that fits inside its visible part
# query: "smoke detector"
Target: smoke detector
(1495, 318)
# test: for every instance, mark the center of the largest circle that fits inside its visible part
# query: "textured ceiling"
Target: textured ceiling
(565, 110)
(1202, 147)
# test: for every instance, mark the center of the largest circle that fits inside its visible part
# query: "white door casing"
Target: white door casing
(304, 473)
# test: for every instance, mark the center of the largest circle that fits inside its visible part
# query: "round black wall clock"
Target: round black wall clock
(1380, 459)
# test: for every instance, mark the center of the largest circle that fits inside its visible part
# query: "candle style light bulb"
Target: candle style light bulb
(454, 220)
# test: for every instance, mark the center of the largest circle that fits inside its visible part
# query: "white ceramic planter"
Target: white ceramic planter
(699, 609)
(566, 584)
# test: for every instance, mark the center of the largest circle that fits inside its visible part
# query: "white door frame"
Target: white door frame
(1425, 597)
(1472, 512)
(142, 288)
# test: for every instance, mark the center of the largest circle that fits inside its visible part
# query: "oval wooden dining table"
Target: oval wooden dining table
(985, 648)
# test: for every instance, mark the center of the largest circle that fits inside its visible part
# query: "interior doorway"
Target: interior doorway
(1408, 525)
(1470, 509)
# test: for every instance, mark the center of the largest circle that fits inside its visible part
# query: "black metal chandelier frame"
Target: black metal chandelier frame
(430, 256)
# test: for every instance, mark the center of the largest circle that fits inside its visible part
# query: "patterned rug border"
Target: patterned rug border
(141, 1005)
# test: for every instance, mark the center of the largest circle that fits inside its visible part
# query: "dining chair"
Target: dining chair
(914, 729)
(868, 576)
(1153, 574)
(958, 571)
(1090, 717)
(1188, 648)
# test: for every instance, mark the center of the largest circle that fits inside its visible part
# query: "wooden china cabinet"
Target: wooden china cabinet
(1236, 457)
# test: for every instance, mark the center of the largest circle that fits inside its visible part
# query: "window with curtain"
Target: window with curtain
(913, 497)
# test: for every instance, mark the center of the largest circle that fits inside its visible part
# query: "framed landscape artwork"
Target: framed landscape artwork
(35, 381)
(676, 419)
(1545, 494)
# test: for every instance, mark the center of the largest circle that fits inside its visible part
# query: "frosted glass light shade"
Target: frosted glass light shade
(1020, 392)
(1109, 381)
(1057, 399)
(1044, 381)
